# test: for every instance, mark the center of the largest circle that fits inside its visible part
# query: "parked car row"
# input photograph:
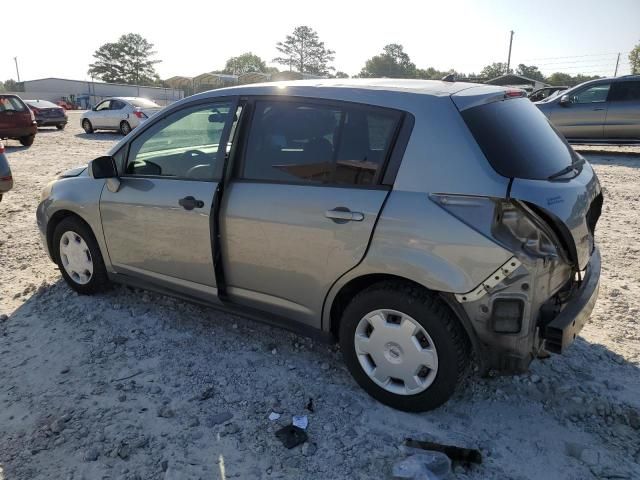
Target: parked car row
(418, 223)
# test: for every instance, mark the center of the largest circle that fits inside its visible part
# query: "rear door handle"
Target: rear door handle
(343, 215)
(598, 109)
(189, 203)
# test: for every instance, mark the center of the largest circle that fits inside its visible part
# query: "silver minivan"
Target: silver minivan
(599, 111)
(422, 224)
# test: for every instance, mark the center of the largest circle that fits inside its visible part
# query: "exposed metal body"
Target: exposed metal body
(289, 250)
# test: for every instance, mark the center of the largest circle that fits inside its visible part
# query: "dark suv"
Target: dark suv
(16, 120)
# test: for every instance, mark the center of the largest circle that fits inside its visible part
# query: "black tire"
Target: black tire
(86, 126)
(28, 140)
(61, 126)
(449, 338)
(125, 128)
(99, 280)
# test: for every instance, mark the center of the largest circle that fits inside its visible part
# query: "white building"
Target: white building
(88, 93)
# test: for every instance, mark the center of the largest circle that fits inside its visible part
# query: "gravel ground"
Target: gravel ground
(134, 385)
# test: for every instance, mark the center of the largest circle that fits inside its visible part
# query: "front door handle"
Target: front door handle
(343, 215)
(189, 203)
(598, 109)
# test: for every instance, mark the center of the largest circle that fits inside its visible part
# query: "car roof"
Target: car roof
(322, 87)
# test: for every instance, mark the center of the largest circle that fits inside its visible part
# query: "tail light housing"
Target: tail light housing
(509, 223)
(140, 115)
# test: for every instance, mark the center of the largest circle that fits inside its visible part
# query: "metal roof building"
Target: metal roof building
(88, 93)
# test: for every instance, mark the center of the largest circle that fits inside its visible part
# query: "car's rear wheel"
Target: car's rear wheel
(404, 346)
(28, 140)
(125, 128)
(86, 126)
(77, 254)
(61, 126)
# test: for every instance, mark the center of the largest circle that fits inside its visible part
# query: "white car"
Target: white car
(118, 113)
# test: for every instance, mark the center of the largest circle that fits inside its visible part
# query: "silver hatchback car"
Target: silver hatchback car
(419, 223)
(599, 111)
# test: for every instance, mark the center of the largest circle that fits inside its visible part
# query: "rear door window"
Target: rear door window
(518, 140)
(625, 91)
(308, 142)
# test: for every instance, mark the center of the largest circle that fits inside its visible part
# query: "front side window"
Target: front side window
(183, 145)
(625, 91)
(318, 143)
(595, 94)
(103, 106)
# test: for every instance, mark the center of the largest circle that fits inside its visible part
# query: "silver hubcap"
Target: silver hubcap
(396, 352)
(76, 257)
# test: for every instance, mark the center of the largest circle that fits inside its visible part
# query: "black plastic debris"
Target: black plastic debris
(456, 454)
(291, 436)
(310, 405)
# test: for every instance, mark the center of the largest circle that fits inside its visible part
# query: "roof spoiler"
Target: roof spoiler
(483, 94)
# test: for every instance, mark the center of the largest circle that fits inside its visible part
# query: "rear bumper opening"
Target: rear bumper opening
(561, 330)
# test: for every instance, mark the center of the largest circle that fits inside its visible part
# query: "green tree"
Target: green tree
(560, 78)
(12, 86)
(530, 72)
(245, 63)
(126, 61)
(340, 75)
(634, 60)
(393, 62)
(494, 70)
(304, 51)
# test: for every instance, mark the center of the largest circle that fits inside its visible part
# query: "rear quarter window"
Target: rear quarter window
(518, 140)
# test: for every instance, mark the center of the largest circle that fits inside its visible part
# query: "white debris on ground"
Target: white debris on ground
(135, 385)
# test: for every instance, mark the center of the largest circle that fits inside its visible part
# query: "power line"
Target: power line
(577, 56)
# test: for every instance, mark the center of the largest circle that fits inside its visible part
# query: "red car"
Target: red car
(17, 120)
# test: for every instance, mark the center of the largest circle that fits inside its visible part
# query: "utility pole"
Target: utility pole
(509, 58)
(617, 63)
(15, 59)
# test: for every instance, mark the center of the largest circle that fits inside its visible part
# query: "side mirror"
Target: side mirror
(103, 167)
(565, 100)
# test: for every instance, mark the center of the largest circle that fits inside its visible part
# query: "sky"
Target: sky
(192, 37)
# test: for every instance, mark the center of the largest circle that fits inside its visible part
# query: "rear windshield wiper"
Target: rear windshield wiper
(567, 169)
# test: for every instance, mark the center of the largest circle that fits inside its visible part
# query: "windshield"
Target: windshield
(518, 140)
(143, 103)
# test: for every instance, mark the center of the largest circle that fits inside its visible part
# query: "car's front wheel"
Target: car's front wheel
(78, 255)
(86, 126)
(404, 346)
(61, 126)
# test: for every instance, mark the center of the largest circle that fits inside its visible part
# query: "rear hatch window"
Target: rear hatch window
(11, 103)
(518, 140)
